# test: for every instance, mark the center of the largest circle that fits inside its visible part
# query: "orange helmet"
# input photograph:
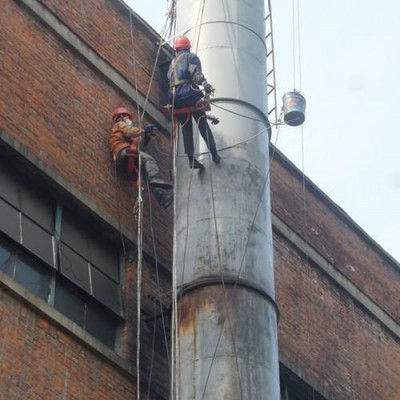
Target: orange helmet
(182, 42)
(119, 111)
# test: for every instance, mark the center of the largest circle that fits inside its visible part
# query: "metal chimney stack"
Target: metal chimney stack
(227, 346)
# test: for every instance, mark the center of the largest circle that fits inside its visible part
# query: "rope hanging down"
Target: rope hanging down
(175, 356)
(138, 209)
(175, 339)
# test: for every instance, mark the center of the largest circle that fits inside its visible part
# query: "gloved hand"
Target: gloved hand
(148, 132)
(148, 129)
(208, 88)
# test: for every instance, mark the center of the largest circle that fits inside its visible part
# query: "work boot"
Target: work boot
(215, 156)
(164, 199)
(193, 163)
(159, 183)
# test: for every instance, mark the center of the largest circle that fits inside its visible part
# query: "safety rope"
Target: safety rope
(175, 384)
(278, 123)
(139, 277)
(159, 294)
(153, 344)
(296, 22)
(225, 295)
(243, 141)
(246, 116)
(174, 328)
(175, 339)
(140, 215)
(200, 15)
(175, 310)
(139, 209)
(225, 318)
(296, 48)
(186, 244)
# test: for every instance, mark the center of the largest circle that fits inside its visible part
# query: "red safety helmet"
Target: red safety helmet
(182, 42)
(119, 111)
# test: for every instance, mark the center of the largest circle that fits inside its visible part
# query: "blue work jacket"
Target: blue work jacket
(184, 76)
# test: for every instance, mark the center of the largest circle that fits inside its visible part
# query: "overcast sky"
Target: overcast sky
(349, 58)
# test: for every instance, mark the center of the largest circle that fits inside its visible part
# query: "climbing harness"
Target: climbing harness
(202, 105)
(132, 164)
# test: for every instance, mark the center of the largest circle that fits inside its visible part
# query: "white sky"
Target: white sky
(349, 53)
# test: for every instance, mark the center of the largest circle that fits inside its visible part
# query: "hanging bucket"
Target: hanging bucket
(294, 106)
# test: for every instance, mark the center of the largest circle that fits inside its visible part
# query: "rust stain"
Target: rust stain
(210, 298)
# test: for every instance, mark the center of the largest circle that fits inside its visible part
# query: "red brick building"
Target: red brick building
(68, 231)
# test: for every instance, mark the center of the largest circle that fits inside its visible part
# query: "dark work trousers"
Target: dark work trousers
(149, 165)
(186, 122)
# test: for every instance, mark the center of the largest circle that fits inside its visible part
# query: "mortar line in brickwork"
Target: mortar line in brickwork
(336, 276)
(109, 72)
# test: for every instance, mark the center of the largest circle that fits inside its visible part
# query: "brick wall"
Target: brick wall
(336, 237)
(40, 362)
(56, 105)
(53, 102)
(105, 26)
(325, 335)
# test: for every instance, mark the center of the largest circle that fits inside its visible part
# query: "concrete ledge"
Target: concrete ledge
(48, 173)
(42, 13)
(300, 373)
(14, 148)
(323, 197)
(50, 313)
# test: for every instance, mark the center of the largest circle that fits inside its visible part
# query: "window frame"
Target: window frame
(46, 261)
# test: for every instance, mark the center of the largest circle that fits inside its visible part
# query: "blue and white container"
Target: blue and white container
(294, 106)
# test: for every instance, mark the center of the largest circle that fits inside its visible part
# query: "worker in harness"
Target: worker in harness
(185, 76)
(124, 142)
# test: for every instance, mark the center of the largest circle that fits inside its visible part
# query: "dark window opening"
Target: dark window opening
(74, 267)
(7, 259)
(70, 303)
(33, 277)
(25, 270)
(85, 312)
(103, 325)
(294, 388)
(9, 220)
(63, 258)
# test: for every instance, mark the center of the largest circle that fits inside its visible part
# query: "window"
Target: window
(6, 260)
(60, 257)
(294, 388)
(25, 271)
(90, 262)
(86, 313)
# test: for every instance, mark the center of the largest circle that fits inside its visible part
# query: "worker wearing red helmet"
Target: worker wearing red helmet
(123, 133)
(185, 76)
